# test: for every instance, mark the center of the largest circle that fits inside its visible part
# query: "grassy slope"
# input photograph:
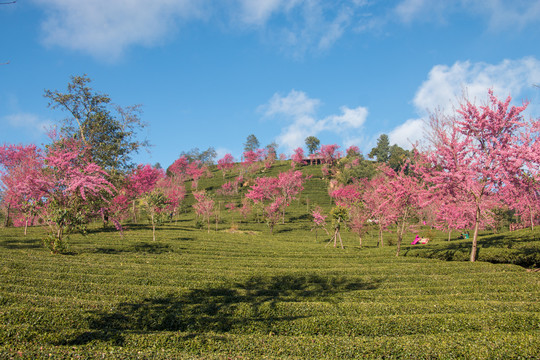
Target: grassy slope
(192, 294)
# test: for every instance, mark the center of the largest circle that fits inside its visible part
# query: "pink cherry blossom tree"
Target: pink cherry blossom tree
(226, 163)
(330, 153)
(350, 197)
(21, 181)
(406, 195)
(252, 160)
(524, 198)
(178, 169)
(174, 193)
(155, 202)
(142, 181)
(265, 192)
(453, 214)
(378, 200)
(319, 220)
(478, 153)
(272, 212)
(72, 182)
(353, 151)
(195, 171)
(289, 184)
(204, 207)
(298, 157)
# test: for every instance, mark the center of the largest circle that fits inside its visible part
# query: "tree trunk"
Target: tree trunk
(25, 226)
(134, 213)
(6, 221)
(381, 242)
(153, 229)
(532, 218)
(400, 233)
(105, 218)
(360, 240)
(475, 235)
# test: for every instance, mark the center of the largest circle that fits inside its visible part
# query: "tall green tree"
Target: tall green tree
(109, 131)
(312, 144)
(397, 157)
(207, 156)
(271, 148)
(252, 143)
(382, 150)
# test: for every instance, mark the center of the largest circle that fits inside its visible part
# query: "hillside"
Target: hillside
(239, 292)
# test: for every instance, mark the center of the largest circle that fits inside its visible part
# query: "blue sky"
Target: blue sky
(210, 73)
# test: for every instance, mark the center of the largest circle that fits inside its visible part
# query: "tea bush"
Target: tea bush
(238, 292)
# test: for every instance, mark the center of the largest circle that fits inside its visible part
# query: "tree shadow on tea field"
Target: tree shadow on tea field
(246, 306)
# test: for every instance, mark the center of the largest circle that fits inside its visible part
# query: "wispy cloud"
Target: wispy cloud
(499, 15)
(258, 12)
(408, 133)
(30, 123)
(300, 112)
(106, 28)
(409, 11)
(447, 86)
(443, 90)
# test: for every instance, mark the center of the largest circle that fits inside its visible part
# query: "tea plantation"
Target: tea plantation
(238, 292)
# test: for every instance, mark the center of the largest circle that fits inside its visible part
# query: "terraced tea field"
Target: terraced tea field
(247, 294)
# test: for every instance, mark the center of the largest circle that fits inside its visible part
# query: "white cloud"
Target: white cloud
(300, 111)
(296, 104)
(504, 15)
(259, 11)
(349, 119)
(106, 28)
(409, 10)
(335, 30)
(500, 15)
(408, 133)
(29, 122)
(446, 85)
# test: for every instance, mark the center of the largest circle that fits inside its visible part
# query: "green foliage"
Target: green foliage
(518, 247)
(312, 144)
(340, 215)
(207, 156)
(397, 157)
(55, 244)
(252, 143)
(350, 169)
(64, 219)
(382, 151)
(110, 131)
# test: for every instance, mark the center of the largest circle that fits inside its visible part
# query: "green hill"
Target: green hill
(238, 292)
